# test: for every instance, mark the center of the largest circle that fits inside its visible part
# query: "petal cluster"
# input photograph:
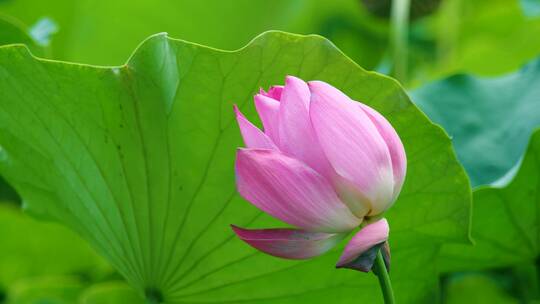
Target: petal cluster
(322, 164)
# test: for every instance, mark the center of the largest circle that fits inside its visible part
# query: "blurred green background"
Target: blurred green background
(471, 66)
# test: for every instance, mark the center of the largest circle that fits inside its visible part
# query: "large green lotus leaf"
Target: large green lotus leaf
(489, 119)
(86, 24)
(138, 159)
(486, 37)
(31, 248)
(506, 221)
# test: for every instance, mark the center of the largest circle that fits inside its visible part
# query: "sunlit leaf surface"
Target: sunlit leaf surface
(138, 159)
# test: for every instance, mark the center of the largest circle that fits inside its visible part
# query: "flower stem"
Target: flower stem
(379, 268)
(399, 37)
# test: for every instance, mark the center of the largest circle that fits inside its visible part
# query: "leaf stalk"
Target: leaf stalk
(399, 37)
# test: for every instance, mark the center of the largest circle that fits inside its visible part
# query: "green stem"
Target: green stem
(379, 268)
(399, 37)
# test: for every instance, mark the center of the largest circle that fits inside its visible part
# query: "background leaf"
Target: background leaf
(30, 248)
(138, 159)
(50, 290)
(531, 8)
(489, 119)
(110, 293)
(87, 23)
(484, 37)
(481, 37)
(12, 31)
(506, 221)
(476, 288)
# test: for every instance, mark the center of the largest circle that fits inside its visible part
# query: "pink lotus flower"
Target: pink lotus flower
(323, 164)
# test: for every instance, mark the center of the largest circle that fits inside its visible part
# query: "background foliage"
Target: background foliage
(465, 72)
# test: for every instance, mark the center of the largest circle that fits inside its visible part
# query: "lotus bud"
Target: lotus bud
(323, 164)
